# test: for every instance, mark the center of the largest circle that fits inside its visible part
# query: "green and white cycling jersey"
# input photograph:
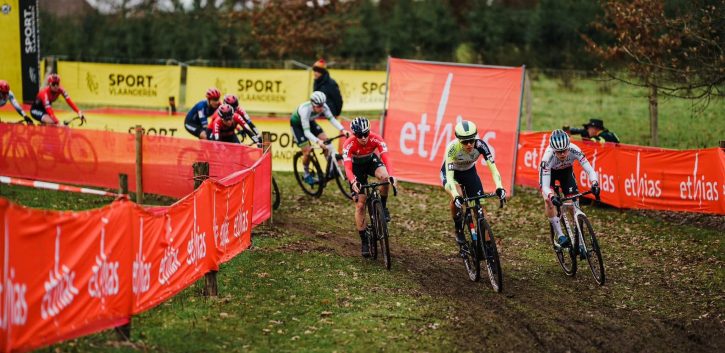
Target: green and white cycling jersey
(457, 159)
(10, 97)
(304, 114)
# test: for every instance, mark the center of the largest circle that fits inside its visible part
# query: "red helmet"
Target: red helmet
(53, 79)
(225, 111)
(213, 94)
(4, 87)
(231, 100)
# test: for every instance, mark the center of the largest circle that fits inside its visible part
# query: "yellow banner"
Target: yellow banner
(259, 90)
(10, 56)
(361, 90)
(120, 84)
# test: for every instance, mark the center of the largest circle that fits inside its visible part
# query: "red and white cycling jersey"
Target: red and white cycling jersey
(218, 128)
(46, 97)
(355, 152)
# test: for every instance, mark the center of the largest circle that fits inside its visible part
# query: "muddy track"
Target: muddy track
(527, 315)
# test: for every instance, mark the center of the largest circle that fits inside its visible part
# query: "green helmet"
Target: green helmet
(466, 130)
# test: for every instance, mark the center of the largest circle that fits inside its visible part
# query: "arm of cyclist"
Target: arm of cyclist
(73, 106)
(485, 151)
(16, 105)
(334, 122)
(347, 161)
(591, 173)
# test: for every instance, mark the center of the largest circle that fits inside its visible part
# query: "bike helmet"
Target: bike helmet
(4, 87)
(466, 130)
(213, 94)
(318, 98)
(559, 140)
(225, 111)
(360, 126)
(53, 79)
(231, 100)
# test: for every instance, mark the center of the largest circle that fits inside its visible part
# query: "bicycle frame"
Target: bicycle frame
(571, 206)
(467, 212)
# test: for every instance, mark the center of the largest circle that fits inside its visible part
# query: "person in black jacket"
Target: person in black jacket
(595, 131)
(325, 84)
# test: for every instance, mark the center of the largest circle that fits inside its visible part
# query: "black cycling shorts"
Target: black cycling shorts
(362, 170)
(299, 134)
(566, 180)
(468, 179)
(194, 129)
(37, 110)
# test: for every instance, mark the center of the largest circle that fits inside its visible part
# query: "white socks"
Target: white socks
(557, 226)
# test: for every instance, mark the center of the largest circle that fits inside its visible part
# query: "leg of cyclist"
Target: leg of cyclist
(456, 211)
(381, 172)
(361, 176)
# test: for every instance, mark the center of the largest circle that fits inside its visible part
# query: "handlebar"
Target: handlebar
(558, 208)
(376, 184)
(329, 141)
(484, 196)
(67, 122)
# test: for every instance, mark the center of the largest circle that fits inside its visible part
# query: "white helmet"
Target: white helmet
(559, 140)
(318, 98)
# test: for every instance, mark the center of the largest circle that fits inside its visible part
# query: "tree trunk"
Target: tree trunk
(653, 115)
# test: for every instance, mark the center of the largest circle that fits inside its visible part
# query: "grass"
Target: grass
(304, 287)
(683, 124)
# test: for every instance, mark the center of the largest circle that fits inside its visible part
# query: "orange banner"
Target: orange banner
(426, 100)
(92, 270)
(95, 158)
(640, 177)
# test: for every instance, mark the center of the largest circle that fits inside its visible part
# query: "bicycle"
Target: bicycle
(333, 170)
(276, 199)
(590, 246)
(377, 227)
(18, 150)
(475, 250)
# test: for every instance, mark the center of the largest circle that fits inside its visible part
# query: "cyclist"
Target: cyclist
(306, 130)
(224, 123)
(197, 119)
(249, 128)
(458, 172)
(556, 164)
(6, 95)
(358, 153)
(41, 109)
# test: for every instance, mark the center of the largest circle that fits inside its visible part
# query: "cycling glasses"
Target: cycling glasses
(561, 152)
(361, 135)
(468, 142)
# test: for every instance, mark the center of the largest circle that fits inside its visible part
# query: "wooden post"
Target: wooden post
(268, 148)
(722, 144)
(528, 94)
(123, 332)
(201, 173)
(123, 184)
(139, 164)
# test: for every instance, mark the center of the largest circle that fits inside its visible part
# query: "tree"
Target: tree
(675, 50)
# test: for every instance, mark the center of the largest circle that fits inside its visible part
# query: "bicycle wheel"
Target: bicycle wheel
(382, 235)
(315, 188)
(275, 195)
(565, 256)
(591, 246)
(341, 180)
(490, 252)
(81, 153)
(471, 254)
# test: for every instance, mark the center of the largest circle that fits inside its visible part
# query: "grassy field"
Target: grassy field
(305, 288)
(682, 123)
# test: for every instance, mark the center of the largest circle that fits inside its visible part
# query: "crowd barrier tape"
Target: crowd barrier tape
(95, 158)
(639, 177)
(427, 100)
(92, 270)
(120, 84)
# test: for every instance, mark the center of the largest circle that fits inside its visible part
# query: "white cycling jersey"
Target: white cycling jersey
(11, 98)
(550, 162)
(304, 114)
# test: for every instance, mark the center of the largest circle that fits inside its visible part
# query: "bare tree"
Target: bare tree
(677, 52)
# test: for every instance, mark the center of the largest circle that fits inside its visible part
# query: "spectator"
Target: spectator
(325, 84)
(595, 131)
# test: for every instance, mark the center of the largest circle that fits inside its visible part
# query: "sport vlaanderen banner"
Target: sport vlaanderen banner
(21, 47)
(361, 90)
(427, 99)
(120, 84)
(263, 90)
